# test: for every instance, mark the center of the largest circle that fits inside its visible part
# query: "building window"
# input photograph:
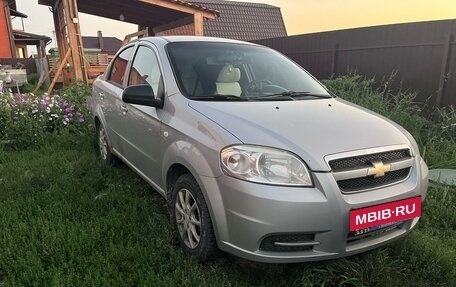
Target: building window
(20, 52)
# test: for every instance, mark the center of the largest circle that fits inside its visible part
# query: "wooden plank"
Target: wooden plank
(79, 38)
(139, 34)
(198, 24)
(59, 71)
(181, 8)
(42, 81)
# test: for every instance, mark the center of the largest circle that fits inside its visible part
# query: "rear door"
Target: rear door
(109, 97)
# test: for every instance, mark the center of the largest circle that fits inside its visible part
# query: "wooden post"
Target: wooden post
(444, 71)
(59, 71)
(40, 49)
(335, 59)
(75, 14)
(60, 28)
(71, 22)
(198, 22)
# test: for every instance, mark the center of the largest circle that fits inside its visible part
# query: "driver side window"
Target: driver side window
(146, 70)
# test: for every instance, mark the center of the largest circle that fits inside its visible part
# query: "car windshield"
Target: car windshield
(214, 71)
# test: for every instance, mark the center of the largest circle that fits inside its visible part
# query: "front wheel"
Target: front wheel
(191, 217)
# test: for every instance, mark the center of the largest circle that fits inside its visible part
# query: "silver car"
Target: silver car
(254, 156)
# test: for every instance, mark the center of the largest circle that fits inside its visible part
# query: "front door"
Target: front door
(141, 128)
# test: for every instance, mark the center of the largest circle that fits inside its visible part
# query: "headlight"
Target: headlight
(412, 140)
(264, 165)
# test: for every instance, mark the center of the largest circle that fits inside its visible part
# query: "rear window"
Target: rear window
(119, 67)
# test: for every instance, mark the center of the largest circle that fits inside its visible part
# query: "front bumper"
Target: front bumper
(244, 214)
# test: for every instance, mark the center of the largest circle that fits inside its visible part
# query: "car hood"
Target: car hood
(312, 128)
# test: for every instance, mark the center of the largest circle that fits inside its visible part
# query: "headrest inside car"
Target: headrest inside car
(229, 74)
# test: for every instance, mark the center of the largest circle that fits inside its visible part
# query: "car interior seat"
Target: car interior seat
(228, 81)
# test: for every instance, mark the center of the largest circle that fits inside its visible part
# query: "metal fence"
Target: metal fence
(423, 55)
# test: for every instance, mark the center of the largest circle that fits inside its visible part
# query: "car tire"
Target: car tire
(191, 219)
(103, 147)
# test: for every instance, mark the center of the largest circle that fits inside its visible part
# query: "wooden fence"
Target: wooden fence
(423, 55)
(28, 63)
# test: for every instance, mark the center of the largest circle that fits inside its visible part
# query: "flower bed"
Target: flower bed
(26, 119)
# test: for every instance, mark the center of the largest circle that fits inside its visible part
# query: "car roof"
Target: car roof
(171, 39)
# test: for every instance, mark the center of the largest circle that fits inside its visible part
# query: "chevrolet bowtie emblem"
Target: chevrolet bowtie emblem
(379, 169)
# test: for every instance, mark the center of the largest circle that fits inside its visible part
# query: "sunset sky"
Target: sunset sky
(301, 16)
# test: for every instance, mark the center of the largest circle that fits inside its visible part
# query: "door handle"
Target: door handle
(123, 108)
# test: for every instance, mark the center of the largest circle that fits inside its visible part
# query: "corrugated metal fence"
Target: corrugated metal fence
(423, 55)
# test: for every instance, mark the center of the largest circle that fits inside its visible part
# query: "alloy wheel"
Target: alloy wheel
(103, 143)
(188, 218)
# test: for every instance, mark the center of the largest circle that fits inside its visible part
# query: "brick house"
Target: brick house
(14, 42)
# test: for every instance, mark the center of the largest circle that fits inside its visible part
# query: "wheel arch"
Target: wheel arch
(175, 165)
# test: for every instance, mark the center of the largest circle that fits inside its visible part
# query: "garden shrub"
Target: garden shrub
(27, 119)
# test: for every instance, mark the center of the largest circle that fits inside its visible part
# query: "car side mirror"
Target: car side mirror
(141, 95)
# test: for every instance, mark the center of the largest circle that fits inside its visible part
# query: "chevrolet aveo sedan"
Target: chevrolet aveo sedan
(254, 156)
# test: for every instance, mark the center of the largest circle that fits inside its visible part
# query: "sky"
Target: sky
(300, 16)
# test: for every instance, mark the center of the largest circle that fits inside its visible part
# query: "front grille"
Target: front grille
(355, 184)
(364, 161)
(351, 173)
(268, 244)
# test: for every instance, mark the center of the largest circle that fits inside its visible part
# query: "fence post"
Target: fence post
(444, 70)
(335, 58)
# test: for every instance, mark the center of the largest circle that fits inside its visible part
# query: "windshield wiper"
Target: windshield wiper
(293, 95)
(218, 97)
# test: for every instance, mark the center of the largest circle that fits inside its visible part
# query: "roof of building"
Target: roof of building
(110, 44)
(190, 4)
(243, 20)
(225, 2)
(195, 5)
(29, 38)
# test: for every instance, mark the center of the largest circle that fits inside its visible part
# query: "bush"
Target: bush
(436, 138)
(77, 93)
(26, 119)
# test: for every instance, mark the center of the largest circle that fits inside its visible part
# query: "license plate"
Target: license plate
(375, 229)
(384, 214)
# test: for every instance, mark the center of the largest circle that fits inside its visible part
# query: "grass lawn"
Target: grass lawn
(66, 219)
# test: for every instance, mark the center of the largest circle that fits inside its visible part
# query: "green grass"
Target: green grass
(69, 220)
